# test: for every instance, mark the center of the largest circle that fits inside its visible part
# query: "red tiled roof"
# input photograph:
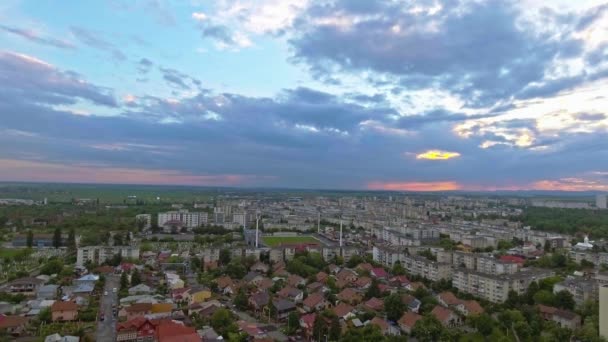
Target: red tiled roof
(409, 319)
(169, 331)
(64, 306)
(379, 272)
(381, 323)
(441, 313)
(449, 298)
(313, 300)
(473, 307)
(308, 320)
(342, 309)
(12, 321)
(512, 258)
(375, 304)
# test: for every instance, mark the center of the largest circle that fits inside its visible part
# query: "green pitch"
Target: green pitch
(274, 241)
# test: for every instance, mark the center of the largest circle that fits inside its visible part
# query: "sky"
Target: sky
(427, 95)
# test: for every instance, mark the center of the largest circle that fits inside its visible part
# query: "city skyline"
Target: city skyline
(392, 95)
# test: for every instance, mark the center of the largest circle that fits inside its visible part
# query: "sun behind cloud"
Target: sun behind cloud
(437, 155)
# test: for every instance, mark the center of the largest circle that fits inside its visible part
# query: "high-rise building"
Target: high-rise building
(600, 201)
(604, 311)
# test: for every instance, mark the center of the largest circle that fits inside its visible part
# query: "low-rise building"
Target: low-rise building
(99, 254)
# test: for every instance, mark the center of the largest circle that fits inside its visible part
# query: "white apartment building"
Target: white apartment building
(600, 201)
(495, 288)
(240, 219)
(414, 264)
(99, 254)
(483, 263)
(188, 219)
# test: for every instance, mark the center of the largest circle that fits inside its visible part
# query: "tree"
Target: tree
(135, 277)
(240, 300)
(334, 328)
(563, 299)
(373, 290)
(544, 297)
(225, 256)
(222, 322)
(394, 307)
(124, 281)
(118, 239)
(57, 238)
(293, 322)
(483, 323)
(30, 238)
(428, 329)
(398, 269)
(45, 315)
(71, 239)
(53, 266)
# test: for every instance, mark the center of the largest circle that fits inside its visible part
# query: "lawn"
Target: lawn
(274, 241)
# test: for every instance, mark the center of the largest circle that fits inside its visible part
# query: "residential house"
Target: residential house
(89, 279)
(225, 285)
(379, 273)
(363, 283)
(174, 281)
(283, 308)
(13, 325)
(181, 295)
(385, 327)
(58, 338)
(316, 287)
(137, 310)
(170, 331)
(347, 275)
(344, 311)
(140, 289)
(199, 296)
(399, 281)
(408, 321)
(470, 307)
(350, 296)
(567, 319)
(137, 329)
(307, 323)
(564, 318)
(321, 277)
(447, 317)
(448, 299)
(254, 330)
(27, 286)
(413, 304)
(253, 278)
(258, 301)
(315, 302)
(374, 304)
(161, 309)
(47, 292)
(260, 267)
(365, 267)
(291, 293)
(64, 311)
(295, 280)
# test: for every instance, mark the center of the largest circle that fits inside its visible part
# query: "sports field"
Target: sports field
(274, 241)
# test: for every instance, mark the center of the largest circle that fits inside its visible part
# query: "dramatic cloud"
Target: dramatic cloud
(27, 79)
(397, 95)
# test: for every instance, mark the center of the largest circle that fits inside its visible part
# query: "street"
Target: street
(106, 329)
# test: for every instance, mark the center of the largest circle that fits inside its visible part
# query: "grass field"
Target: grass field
(273, 241)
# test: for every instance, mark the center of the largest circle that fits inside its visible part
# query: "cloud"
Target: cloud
(415, 186)
(26, 78)
(36, 171)
(36, 37)
(437, 155)
(144, 66)
(96, 41)
(199, 16)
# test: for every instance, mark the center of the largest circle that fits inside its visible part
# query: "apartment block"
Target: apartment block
(495, 288)
(188, 219)
(99, 254)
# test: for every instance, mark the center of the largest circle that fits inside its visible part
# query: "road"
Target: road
(106, 329)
